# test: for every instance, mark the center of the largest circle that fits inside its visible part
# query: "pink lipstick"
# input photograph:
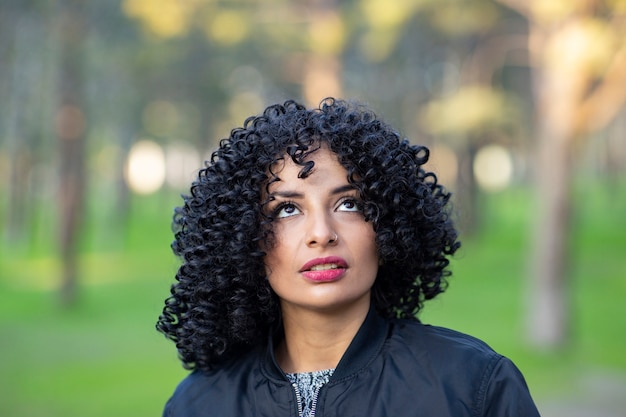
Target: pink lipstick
(324, 269)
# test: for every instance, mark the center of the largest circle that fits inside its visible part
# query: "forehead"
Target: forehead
(326, 169)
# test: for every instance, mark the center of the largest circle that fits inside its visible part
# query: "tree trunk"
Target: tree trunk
(466, 193)
(572, 99)
(549, 314)
(70, 129)
(557, 93)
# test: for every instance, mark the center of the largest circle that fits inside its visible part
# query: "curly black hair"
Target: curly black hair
(222, 304)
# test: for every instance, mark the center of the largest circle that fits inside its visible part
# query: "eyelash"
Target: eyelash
(356, 202)
(281, 206)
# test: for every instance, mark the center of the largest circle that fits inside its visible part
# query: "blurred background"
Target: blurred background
(109, 107)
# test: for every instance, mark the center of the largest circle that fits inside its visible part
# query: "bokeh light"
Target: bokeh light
(227, 27)
(145, 168)
(327, 34)
(493, 168)
(166, 18)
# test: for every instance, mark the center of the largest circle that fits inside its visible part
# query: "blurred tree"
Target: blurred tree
(71, 124)
(16, 28)
(113, 96)
(188, 71)
(443, 59)
(27, 60)
(577, 51)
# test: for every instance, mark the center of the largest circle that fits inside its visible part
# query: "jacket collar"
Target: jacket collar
(366, 344)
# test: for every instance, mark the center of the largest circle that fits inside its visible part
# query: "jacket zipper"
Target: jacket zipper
(298, 398)
(316, 394)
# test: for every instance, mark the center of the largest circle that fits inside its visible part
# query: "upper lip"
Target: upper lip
(340, 262)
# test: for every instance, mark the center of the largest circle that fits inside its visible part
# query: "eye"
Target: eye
(286, 210)
(349, 204)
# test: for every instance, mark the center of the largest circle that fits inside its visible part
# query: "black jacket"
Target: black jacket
(392, 368)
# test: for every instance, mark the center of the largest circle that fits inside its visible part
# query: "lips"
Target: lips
(324, 269)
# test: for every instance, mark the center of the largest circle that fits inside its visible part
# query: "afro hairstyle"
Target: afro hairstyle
(221, 304)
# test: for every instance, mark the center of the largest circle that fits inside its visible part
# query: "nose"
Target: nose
(320, 231)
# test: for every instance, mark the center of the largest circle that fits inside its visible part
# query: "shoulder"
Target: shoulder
(441, 342)
(443, 352)
(488, 381)
(213, 390)
(189, 391)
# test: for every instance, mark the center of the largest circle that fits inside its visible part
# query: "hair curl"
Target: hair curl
(222, 304)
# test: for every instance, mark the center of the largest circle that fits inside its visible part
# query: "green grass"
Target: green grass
(103, 357)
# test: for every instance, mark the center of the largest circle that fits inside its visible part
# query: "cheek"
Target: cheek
(369, 240)
(364, 248)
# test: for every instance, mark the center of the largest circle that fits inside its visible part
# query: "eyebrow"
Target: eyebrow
(297, 194)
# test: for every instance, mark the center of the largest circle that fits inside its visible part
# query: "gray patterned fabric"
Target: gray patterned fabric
(308, 384)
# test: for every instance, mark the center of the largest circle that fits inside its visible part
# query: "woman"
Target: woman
(309, 243)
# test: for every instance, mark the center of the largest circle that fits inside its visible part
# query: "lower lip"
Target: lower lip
(327, 275)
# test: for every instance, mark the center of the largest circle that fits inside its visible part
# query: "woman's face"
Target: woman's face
(324, 254)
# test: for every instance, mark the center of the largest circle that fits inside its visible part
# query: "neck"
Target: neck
(316, 340)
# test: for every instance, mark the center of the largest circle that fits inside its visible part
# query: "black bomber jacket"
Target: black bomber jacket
(392, 368)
